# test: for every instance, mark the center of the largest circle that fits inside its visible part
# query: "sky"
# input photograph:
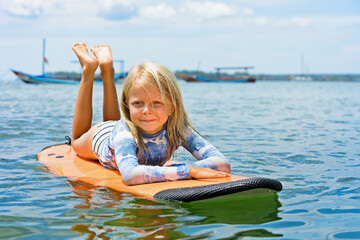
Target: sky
(274, 36)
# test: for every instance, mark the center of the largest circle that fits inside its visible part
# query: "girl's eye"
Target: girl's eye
(137, 104)
(157, 103)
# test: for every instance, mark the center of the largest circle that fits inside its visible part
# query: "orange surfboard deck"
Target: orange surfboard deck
(63, 161)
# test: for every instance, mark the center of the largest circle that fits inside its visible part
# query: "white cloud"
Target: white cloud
(161, 11)
(117, 9)
(23, 8)
(247, 11)
(267, 3)
(338, 21)
(301, 21)
(260, 21)
(210, 10)
(193, 9)
(351, 49)
(283, 21)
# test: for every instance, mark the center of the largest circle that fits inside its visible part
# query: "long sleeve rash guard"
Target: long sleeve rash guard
(119, 151)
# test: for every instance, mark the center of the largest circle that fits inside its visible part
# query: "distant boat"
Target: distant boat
(300, 78)
(304, 76)
(47, 78)
(221, 80)
(29, 78)
(245, 79)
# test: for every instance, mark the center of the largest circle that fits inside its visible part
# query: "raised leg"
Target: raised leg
(82, 131)
(111, 110)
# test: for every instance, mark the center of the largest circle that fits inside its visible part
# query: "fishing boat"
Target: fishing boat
(48, 78)
(304, 75)
(219, 79)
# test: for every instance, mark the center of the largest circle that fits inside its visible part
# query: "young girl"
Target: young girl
(154, 124)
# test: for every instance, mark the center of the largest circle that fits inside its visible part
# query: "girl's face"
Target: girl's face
(148, 111)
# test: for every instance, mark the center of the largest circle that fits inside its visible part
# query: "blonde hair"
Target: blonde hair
(159, 77)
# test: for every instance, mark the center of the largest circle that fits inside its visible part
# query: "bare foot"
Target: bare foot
(88, 63)
(104, 55)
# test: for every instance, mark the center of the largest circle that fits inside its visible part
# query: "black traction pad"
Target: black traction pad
(216, 190)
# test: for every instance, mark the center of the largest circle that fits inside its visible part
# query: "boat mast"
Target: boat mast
(302, 73)
(43, 58)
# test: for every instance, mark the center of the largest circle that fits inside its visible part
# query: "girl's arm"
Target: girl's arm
(134, 173)
(206, 154)
(200, 172)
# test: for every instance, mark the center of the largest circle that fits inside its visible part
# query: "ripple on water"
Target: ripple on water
(338, 211)
(11, 232)
(296, 211)
(346, 235)
(32, 228)
(347, 180)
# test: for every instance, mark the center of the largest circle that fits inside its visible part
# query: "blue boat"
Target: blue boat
(244, 79)
(201, 79)
(47, 78)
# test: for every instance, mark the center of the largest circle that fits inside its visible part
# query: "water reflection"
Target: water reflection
(256, 210)
(232, 219)
(103, 214)
(121, 215)
(93, 232)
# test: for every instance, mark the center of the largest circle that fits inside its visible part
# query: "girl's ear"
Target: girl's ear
(172, 109)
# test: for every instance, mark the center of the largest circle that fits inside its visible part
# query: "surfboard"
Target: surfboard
(63, 161)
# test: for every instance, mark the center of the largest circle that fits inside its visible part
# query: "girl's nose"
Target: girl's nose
(147, 109)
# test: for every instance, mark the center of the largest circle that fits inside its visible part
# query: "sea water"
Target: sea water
(304, 134)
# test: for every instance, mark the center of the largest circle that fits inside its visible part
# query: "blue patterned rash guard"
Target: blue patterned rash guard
(119, 151)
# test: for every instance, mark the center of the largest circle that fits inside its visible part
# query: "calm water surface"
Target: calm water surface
(304, 134)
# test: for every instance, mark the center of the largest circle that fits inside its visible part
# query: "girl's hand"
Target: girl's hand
(198, 172)
(170, 163)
